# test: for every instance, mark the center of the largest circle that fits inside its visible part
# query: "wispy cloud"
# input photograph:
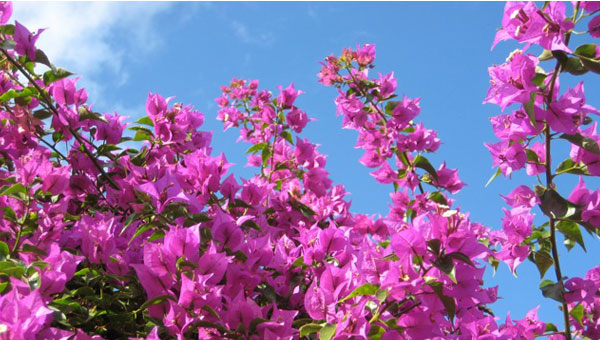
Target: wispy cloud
(93, 38)
(246, 36)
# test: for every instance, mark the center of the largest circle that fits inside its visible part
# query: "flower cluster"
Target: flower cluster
(542, 117)
(115, 230)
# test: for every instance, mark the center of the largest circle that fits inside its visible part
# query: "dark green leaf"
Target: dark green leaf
(543, 261)
(434, 246)
(42, 114)
(140, 230)
(423, 163)
(586, 50)
(530, 109)
(42, 58)
(551, 290)
(4, 251)
(561, 57)
(591, 64)
(448, 302)
(575, 66)
(461, 257)
(55, 75)
(287, 136)
(87, 114)
(532, 157)
(365, 289)
(550, 327)
(553, 204)
(583, 142)
(29, 248)
(569, 166)
(155, 301)
(571, 231)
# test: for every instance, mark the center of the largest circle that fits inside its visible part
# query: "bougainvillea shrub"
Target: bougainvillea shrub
(104, 236)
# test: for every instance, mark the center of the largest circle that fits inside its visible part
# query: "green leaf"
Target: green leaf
(266, 154)
(42, 114)
(390, 257)
(365, 289)
(539, 78)
(530, 110)
(155, 301)
(577, 313)
(545, 55)
(299, 262)
(375, 332)
(532, 157)
(583, 142)
(382, 294)
(550, 327)
(42, 58)
(140, 230)
(434, 246)
(309, 328)
(438, 197)
(8, 44)
(29, 248)
(145, 121)
(496, 174)
(327, 332)
(591, 64)
(569, 166)
(287, 136)
(140, 135)
(461, 257)
(256, 148)
(445, 264)
(553, 204)
(14, 189)
(13, 94)
(575, 66)
(57, 74)
(4, 251)
(543, 261)
(87, 114)
(571, 231)
(157, 235)
(448, 302)
(210, 310)
(551, 290)
(561, 57)
(423, 163)
(586, 50)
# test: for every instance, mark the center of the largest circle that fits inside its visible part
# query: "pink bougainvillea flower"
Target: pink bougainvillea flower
(25, 40)
(512, 82)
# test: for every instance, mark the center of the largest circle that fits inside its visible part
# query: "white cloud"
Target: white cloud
(92, 38)
(243, 33)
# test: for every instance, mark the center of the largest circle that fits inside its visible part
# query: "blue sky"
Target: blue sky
(438, 51)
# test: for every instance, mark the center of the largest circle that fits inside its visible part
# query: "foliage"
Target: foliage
(109, 237)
